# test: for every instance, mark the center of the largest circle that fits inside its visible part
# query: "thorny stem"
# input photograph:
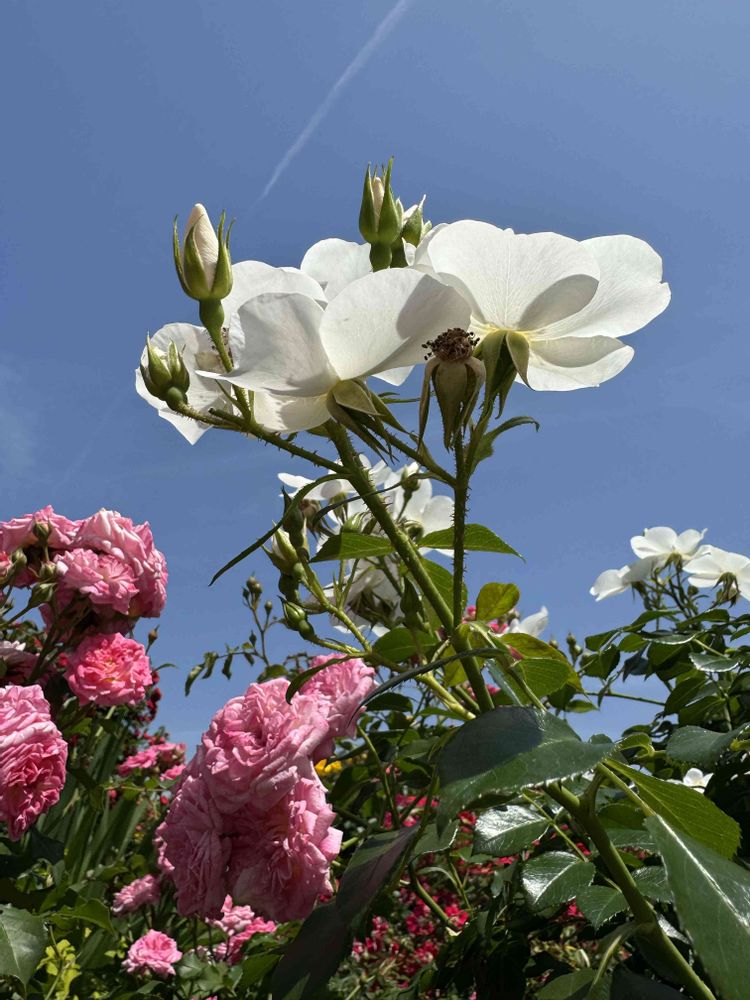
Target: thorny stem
(461, 496)
(646, 919)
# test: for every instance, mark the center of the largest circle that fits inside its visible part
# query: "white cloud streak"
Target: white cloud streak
(361, 59)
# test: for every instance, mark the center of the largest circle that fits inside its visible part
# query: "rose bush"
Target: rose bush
(402, 807)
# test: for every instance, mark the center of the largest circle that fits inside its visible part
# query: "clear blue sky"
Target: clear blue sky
(582, 117)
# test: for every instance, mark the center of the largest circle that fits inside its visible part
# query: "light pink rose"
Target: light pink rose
(109, 533)
(18, 533)
(281, 858)
(194, 851)
(239, 923)
(33, 755)
(136, 894)
(109, 670)
(258, 746)
(154, 952)
(157, 755)
(338, 689)
(105, 580)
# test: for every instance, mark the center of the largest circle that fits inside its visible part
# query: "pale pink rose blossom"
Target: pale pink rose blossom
(18, 533)
(338, 689)
(239, 923)
(105, 580)
(109, 670)
(281, 858)
(194, 851)
(154, 952)
(156, 755)
(172, 773)
(33, 755)
(136, 894)
(258, 746)
(110, 533)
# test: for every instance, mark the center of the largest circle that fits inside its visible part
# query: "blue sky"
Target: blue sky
(582, 118)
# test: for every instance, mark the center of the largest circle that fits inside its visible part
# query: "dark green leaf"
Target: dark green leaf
(686, 809)
(502, 832)
(626, 985)
(91, 911)
(599, 903)
(574, 986)
(352, 545)
(477, 538)
(712, 898)
(23, 938)
(652, 881)
(495, 600)
(546, 676)
(532, 648)
(399, 644)
(713, 663)
(443, 580)
(507, 749)
(701, 747)
(554, 878)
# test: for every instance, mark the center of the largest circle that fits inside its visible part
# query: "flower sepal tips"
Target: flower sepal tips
(203, 263)
(166, 378)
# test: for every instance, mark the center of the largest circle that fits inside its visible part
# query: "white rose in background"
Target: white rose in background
(655, 548)
(249, 278)
(532, 624)
(296, 352)
(561, 304)
(711, 565)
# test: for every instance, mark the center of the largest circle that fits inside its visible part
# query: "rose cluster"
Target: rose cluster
(249, 818)
(91, 581)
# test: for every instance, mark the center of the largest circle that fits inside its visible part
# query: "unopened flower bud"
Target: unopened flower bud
(282, 553)
(42, 530)
(48, 572)
(166, 378)
(203, 264)
(380, 217)
(415, 228)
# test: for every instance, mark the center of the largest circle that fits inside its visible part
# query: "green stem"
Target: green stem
(403, 545)
(645, 916)
(384, 777)
(461, 497)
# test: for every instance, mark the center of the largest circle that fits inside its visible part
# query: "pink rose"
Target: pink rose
(136, 894)
(154, 952)
(240, 924)
(105, 580)
(109, 670)
(338, 689)
(109, 533)
(257, 747)
(18, 533)
(194, 852)
(33, 755)
(281, 858)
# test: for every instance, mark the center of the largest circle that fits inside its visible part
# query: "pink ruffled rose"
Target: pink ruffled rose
(239, 923)
(136, 894)
(258, 746)
(157, 755)
(109, 533)
(154, 952)
(194, 851)
(281, 858)
(33, 755)
(18, 533)
(105, 580)
(338, 689)
(109, 670)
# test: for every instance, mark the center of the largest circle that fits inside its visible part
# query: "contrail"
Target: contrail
(382, 31)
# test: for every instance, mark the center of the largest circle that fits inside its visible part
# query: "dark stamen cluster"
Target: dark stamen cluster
(453, 345)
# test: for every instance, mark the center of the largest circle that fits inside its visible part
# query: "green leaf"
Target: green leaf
(713, 663)
(701, 747)
(495, 600)
(532, 648)
(508, 749)
(574, 986)
(626, 985)
(652, 881)
(399, 644)
(477, 538)
(306, 965)
(599, 903)
(545, 676)
(502, 832)
(443, 580)
(686, 809)
(23, 938)
(352, 545)
(91, 911)
(712, 899)
(554, 878)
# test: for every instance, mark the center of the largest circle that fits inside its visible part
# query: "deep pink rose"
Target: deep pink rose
(154, 952)
(105, 580)
(109, 670)
(33, 755)
(338, 689)
(281, 858)
(194, 851)
(109, 533)
(257, 747)
(18, 533)
(136, 894)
